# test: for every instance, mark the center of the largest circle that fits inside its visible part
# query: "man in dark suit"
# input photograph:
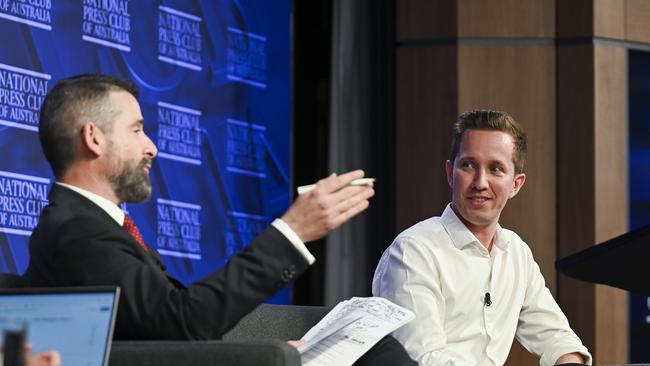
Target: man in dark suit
(91, 130)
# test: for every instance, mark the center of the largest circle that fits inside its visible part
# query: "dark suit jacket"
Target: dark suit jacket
(76, 243)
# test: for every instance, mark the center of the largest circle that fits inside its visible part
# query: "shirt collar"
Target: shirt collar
(107, 205)
(461, 236)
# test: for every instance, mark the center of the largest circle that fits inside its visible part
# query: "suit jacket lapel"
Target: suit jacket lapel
(67, 198)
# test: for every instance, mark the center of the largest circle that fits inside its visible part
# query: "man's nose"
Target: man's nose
(480, 180)
(150, 148)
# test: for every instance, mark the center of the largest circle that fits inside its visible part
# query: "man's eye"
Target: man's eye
(466, 165)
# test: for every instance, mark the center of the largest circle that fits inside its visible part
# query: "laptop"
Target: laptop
(77, 322)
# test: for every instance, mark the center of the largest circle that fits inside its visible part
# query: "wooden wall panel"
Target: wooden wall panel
(609, 19)
(576, 190)
(637, 20)
(426, 19)
(520, 80)
(611, 188)
(611, 138)
(426, 109)
(506, 18)
(593, 204)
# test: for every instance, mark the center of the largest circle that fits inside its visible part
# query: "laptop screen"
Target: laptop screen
(77, 322)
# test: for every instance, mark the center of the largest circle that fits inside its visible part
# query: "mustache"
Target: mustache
(144, 162)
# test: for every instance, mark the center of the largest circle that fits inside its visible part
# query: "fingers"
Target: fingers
(325, 208)
(357, 209)
(354, 201)
(352, 206)
(346, 215)
(53, 358)
(349, 191)
(47, 358)
(296, 344)
(335, 182)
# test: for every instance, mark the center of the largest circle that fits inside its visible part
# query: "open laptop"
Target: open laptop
(78, 321)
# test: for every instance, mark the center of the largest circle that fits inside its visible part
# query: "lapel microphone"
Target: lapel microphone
(487, 300)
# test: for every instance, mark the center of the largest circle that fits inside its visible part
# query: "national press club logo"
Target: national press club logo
(107, 23)
(22, 199)
(245, 148)
(35, 13)
(246, 57)
(179, 38)
(180, 137)
(178, 229)
(22, 92)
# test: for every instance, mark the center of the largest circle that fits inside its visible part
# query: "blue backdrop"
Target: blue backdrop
(215, 79)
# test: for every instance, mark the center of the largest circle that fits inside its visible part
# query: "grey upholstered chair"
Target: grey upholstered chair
(258, 339)
(203, 353)
(273, 322)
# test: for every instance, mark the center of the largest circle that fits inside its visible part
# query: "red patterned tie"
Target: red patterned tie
(131, 228)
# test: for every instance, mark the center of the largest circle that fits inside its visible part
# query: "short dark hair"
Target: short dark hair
(483, 119)
(72, 102)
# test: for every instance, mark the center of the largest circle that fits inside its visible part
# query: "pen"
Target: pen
(356, 182)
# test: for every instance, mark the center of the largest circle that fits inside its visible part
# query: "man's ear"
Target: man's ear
(449, 168)
(93, 139)
(519, 181)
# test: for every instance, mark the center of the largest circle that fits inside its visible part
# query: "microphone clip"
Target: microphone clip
(487, 301)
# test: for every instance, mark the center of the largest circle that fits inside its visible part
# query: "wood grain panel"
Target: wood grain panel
(609, 19)
(506, 18)
(611, 139)
(611, 188)
(637, 20)
(576, 206)
(593, 204)
(426, 108)
(521, 81)
(612, 332)
(426, 19)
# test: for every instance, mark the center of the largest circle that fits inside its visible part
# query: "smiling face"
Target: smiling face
(482, 177)
(130, 151)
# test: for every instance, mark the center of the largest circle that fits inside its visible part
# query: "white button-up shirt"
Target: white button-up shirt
(440, 271)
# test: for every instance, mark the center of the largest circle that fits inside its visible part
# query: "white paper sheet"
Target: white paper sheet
(350, 330)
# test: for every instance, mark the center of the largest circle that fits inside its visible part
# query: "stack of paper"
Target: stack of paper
(350, 330)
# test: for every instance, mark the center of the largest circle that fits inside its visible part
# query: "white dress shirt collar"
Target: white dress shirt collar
(107, 205)
(461, 236)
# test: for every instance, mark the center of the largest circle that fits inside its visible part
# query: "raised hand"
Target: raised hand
(330, 204)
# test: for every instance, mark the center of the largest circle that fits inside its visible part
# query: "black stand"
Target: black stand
(621, 262)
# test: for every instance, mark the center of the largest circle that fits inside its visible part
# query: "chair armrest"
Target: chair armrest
(282, 322)
(203, 353)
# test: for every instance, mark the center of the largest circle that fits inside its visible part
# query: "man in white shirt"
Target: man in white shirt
(472, 284)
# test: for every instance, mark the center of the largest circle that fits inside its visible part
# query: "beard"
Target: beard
(131, 182)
